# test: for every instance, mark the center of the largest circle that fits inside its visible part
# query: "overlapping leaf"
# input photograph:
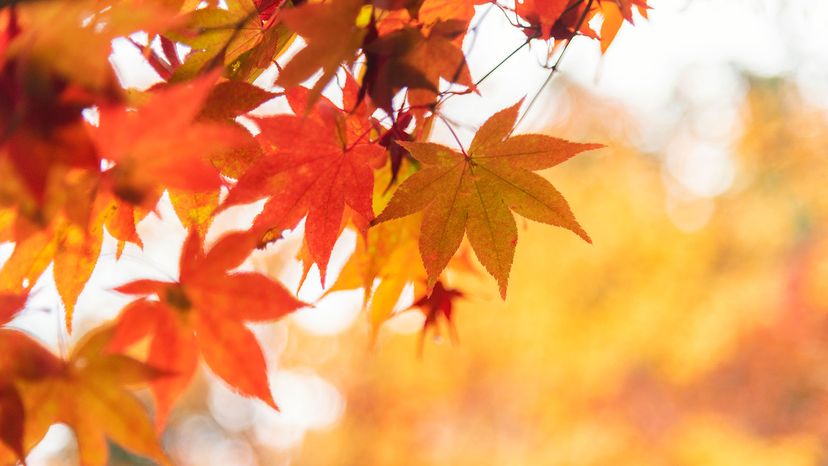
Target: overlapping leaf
(564, 19)
(73, 38)
(226, 101)
(319, 165)
(244, 37)
(333, 31)
(437, 306)
(86, 392)
(161, 144)
(415, 59)
(21, 360)
(385, 262)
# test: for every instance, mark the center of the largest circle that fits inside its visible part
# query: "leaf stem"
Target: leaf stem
(453, 133)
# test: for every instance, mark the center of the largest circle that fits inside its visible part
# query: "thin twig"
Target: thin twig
(555, 67)
(448, 94)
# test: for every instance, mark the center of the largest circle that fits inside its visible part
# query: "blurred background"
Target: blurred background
(694, 331)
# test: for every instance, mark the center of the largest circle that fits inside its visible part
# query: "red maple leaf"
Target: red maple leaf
(204, 313)
(319, 165)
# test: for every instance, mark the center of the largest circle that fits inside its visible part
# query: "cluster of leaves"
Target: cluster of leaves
(67, 177)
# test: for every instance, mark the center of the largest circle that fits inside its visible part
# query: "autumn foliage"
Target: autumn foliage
(82, 159)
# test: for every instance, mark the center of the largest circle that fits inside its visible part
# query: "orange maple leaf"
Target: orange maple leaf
(564, 19)
(204, 313)
(162, 145)
(474, 192)
(86, 392)
(73, 248)
(21, 359)
(47, 160)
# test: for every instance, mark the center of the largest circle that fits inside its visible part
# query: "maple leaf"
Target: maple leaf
(333, 32)
(226, 101)
(314, 165)
(27, 262)
(385, 262)
(230, 99)
(388, 255)
(396, 152)
(86, 392)
(431, 11)
(44, 177)
(122, 218)
(21, 358)
(226, 32)
(474, 192)
(613, 19)
(73, 244)
(73, 248)
(161, 144)
(563, 19)
(626, 7)
(541, 15)
(439, 304)
(195, 210)
(275, 40)
(245, 37)
(47, 160)
(416, 59)
(204, 313)
(76, 254)
(12, 421)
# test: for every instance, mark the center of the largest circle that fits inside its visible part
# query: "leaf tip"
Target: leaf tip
(70, 310)
(592, 146)
(271, 402)
(583, 234)
(430, 282)
(382, 217)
